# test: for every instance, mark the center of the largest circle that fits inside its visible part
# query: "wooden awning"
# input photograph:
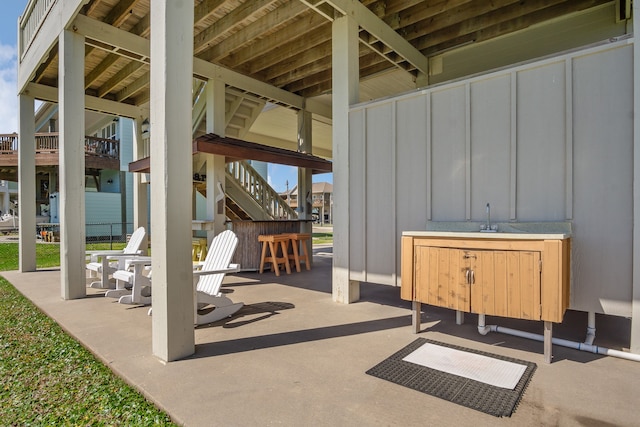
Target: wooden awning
(237, 149)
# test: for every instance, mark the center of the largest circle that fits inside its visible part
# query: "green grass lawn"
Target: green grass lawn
(322, 237)
(48, 378)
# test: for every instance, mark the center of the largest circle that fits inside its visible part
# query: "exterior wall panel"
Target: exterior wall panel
(412, 166)
(603, 181)
(490, 147)
(546, 141)
(541, 131)
(380, 193)
(448, 154)
(357, 212)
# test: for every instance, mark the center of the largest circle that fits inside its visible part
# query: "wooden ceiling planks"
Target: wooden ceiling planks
(287, 44)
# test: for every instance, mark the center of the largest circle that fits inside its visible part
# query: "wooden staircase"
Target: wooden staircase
(249, 196)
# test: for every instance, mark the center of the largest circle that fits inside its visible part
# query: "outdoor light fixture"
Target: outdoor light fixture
(145, 126)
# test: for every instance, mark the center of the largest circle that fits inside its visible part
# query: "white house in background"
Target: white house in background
(107, 182)
(108, 191)
(8, 195)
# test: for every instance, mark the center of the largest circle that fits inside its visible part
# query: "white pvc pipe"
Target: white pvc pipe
(591, 328)
(485, 329)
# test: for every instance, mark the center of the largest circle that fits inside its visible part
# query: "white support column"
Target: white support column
(27, 183)
(71, 165)
(171, 179)
(53, 181)
(345, 92)
(216, 123)
(140, 211)
(305, 180)
(635, 304)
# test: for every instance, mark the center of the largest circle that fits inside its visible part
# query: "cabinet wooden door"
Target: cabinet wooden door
(441, 277)
(492, 282)
(506, 283)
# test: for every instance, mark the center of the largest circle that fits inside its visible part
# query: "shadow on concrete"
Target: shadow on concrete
(295, 337)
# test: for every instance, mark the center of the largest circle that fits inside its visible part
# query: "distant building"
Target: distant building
(322, 201)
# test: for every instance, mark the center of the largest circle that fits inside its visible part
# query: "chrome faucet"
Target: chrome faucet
(488, 216)
(488, 228)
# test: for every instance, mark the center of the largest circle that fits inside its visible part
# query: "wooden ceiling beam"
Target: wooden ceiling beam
(461, 15)
(118, 77)
(134, 88)
(90, 7)
(500, 20)
(419, 12)
(237, 17)
(382, 32)
(266, 52)
(121, 12)
(143, 27)
(542, 15)
(278, 18)
(319, 89)
(100, 69)
(293, 66)
(239, 149)
(392, 7)
(205, 10)
(307, 64)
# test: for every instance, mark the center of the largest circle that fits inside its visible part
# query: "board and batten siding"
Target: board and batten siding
(550, 140)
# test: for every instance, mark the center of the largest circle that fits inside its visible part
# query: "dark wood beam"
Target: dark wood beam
(238, 149)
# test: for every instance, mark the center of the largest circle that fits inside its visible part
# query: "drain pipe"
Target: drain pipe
(591, 328)
(485, 329)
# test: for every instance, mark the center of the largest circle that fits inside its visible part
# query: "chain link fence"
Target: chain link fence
(99, 232)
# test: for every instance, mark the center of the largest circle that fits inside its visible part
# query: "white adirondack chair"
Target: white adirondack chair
(208, 280)
(210, 304)
(102, 264)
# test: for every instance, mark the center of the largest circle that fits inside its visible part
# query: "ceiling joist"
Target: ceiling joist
(122, 41)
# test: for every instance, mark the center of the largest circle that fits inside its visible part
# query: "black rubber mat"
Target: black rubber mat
(492, 400)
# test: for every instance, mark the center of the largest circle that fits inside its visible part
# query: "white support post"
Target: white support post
(71, 161)
(27, 183)
(215, 92)
(345, 93)
(140, 210)
(171, 179)
(53, 181)
(305, 180)
(635, 302)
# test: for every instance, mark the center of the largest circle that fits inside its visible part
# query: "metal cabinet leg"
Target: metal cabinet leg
(548, 333)
(415, 316)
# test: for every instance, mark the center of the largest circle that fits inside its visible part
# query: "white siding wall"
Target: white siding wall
(102, 207)
(546, 141)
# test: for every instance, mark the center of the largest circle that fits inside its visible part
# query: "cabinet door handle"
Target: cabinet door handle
(473, 277)
(468, 276)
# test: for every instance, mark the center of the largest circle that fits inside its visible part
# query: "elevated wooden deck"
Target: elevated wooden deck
(99, 154)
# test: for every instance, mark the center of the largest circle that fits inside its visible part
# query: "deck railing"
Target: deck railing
(247, 177)
(34, 14)
(50, 143)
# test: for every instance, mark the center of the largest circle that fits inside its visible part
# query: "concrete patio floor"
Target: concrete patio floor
(293, 357)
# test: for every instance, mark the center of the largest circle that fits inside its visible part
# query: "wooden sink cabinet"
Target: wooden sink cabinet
(522, 276)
